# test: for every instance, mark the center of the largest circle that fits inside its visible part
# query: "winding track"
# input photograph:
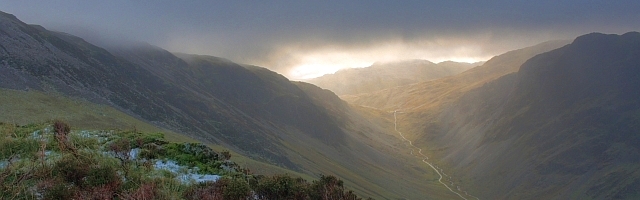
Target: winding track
(425, 158)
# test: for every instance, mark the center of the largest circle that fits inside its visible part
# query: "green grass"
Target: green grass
(54, 162)
(28, 107)
(36, 163)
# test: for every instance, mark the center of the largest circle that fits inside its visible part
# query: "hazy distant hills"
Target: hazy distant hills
(387, 75)
(248, 109)
(433, 94)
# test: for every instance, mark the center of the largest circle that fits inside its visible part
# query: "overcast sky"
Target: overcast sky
(302, 39)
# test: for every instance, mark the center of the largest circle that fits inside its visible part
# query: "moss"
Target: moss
(194, 155)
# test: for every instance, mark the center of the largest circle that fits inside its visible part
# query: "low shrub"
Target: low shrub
(72, 170)
(88, 173)
(236, 188)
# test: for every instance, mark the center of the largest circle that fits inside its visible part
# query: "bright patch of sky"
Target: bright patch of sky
(303, 39)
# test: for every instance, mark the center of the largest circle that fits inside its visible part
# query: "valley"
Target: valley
(555, 120)
(425, 158)
(274, 125)
(474, 134)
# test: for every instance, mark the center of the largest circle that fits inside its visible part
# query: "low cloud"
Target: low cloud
(302, 39)
(303, 56)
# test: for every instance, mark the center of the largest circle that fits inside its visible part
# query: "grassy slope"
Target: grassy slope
(25, 107)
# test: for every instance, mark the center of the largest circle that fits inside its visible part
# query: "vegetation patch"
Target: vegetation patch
(52, 161)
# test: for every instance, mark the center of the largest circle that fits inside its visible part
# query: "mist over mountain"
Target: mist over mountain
(387, 75)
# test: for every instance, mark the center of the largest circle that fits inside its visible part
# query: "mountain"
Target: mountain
(567, 127)
(422, 105)
(436, 93)
(250, 110)
(564, 126)
(387, 75)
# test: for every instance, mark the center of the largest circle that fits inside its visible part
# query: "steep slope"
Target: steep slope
(34, 107)
(387, 75)
(250, 110)
(564, 127)
(68, 65)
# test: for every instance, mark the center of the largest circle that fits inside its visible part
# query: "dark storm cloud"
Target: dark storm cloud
(282, 34)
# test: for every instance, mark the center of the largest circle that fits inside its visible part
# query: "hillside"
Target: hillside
(563, 127)
(249, 110)
(385, 75)
(580, 134)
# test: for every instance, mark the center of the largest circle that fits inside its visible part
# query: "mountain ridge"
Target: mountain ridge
(442, 91)
(382, 75)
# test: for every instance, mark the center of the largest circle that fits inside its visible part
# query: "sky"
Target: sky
(305, 39)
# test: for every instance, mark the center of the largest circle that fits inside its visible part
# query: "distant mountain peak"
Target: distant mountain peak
(383, 75)
(407, 61)
(595, 36)
(7, 15)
